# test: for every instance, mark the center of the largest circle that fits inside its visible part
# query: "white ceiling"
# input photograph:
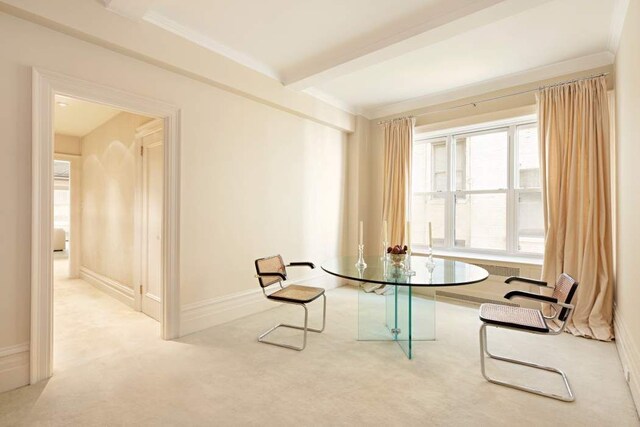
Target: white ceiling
(285, 35)
(79, 118)
(377, 57)
(526, 41)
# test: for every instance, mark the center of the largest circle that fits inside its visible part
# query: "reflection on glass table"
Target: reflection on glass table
(398, 303)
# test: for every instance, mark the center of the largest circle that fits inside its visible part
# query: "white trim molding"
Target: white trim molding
(111, 287)
(207, 42)
(47, 84)
(14, 366)
(629, 353)
(216, 311)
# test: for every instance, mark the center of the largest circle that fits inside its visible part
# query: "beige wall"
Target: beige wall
(628, 210)
(255, 180)
(67, 144)
(108, 191)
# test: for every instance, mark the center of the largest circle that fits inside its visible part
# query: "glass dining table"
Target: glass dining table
(398, 302)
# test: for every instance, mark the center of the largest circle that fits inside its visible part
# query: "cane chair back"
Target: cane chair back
(564, 291)
(272, 264)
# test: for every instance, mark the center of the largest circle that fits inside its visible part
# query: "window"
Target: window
(61, 196)
(492, 202)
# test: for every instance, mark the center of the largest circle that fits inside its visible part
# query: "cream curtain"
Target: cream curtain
(576, 190)
(398, 143)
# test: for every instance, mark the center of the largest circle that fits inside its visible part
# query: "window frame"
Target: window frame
(512, 191)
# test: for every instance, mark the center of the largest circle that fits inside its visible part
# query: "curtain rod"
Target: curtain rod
(495, 98)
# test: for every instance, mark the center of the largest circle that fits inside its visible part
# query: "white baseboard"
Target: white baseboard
(629, 355)
(109, 286)
(14, 367)
(216, 311)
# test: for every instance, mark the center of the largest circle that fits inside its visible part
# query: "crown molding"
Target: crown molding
(583, 63)
(207, 42)
(332, 100)
(133, 10)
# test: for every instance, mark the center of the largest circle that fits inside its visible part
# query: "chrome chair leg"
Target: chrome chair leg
(304, 328)
(484, 350)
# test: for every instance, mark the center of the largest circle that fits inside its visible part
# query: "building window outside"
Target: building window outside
(492, 203)
(62, 196)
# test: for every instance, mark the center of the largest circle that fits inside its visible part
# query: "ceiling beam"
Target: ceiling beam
(132, 9)
(437, 29)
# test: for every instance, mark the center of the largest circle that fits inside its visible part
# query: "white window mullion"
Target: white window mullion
(512, 211)
(450, 198)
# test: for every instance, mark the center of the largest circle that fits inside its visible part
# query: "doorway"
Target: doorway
(149, 139)
(46, 86)
(110, 148)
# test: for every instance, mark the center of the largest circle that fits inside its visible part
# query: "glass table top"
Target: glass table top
(445, 272)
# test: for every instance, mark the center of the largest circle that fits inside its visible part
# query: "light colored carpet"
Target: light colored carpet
(112, 369)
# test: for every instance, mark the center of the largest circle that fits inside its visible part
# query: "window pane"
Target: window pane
(528, 160)
(429, 166)
(425, 208)
(61, 209)
(481, 221)
(530, 223)
(419, 168)
(482, 161)
(439, 165)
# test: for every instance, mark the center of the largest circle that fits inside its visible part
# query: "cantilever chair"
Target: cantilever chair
(532, 321)
(272, 271)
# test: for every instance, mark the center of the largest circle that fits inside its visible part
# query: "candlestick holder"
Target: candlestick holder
(430, 263)
(407, 264)
(361, 264)
(385, 255)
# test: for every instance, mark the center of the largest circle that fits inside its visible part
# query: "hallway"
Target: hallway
(89, 325)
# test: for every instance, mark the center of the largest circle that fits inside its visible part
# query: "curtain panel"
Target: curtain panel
(398, 144)
(575, 170)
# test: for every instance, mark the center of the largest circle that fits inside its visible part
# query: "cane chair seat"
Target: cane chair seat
(513, 317)
(297, 293)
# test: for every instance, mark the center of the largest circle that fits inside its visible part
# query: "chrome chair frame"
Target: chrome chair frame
(484, 350)
(305, 328)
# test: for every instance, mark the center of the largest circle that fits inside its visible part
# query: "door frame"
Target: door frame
(45, 85)
(75, 191)
(138, 219)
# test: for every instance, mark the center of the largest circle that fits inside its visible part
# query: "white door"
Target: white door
(151, 223)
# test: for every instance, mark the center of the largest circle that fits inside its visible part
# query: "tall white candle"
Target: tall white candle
(385, 236)
(361, 234)
(430, 236)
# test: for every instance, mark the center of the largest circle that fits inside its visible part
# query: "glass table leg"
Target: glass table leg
(415, 317)
(404, 319)
(423, 314)
(375, 314)
(401, 313)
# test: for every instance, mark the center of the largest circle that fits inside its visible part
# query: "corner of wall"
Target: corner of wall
(216, 311)
(14, 367)
(629, 353)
